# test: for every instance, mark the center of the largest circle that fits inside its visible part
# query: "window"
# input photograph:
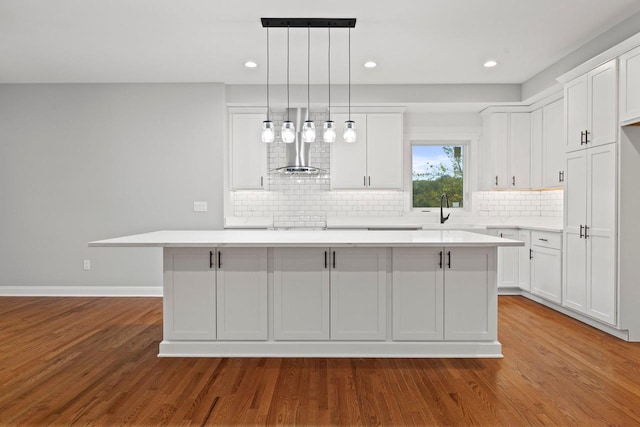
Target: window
(436, 170)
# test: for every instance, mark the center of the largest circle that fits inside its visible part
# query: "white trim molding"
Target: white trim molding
(81, 291)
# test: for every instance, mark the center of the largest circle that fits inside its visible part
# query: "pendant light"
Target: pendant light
(329, 128)
(349, 134)
(268, 130)
(309, 128)
(288, 132)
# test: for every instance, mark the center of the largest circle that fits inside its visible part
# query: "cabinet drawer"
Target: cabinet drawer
(546, 239)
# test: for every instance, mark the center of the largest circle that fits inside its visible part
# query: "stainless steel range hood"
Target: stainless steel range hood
(298, 151)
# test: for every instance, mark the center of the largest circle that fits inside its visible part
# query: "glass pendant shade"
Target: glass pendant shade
(349, 134)
(329, 131)
(288, 133)
(309, 131)
(268, 131)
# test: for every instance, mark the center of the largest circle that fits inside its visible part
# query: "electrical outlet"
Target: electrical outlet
(199, 206)
(87, 264)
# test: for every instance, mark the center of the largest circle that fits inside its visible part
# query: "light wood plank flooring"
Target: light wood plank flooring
(92, 361)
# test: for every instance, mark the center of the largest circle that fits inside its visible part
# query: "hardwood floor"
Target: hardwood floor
(93, 361)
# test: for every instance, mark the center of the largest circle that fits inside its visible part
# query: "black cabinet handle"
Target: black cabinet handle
(334, 259)
(496, 179)
(561, 176)
(513, 180)
(440, 263)
(364, 181)
(449, 259)
(586, 136)
(219, 259)
(210, 259)
(325, 259)
(543, 240)
(581, 235)
(501, 235)
(261, 181)
(586, 232)
(530, 253)
(582, 138)
(369, 181)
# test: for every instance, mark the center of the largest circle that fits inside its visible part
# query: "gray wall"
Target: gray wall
(80, 162)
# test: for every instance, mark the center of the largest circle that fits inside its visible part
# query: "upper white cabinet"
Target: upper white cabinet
(375, 160)
(507, 145)
(589, 233)
(590, 108)
(248, 166)
(630, 87)
(553, 144)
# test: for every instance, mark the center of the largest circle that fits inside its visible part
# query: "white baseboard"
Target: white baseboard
(81, 291)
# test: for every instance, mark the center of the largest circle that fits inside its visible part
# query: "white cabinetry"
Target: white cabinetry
(248, 165)
(590, 220)
(525, 255)
(242, 294)
(358, 294)
(301, 294)
(590, 108)
(507, 145)
(508, 259)
(189, 294)
(553, 144)
(546, 265)
(445, 293)
(630, 87)
(418, 289)
(375, 159)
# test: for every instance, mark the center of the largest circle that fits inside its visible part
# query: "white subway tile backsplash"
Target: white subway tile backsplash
(518, 203)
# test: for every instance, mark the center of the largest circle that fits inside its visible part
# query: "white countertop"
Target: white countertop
(305, 238)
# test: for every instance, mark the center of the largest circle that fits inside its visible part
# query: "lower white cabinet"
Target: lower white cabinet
(546, 265)
(242, 294)
(508, 259)
(525, 255)
(358, 294)
(418, 294)
(447, 293)
(189, 301)
(301, 294)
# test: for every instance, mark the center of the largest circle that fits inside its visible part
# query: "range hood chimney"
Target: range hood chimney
(298, 151)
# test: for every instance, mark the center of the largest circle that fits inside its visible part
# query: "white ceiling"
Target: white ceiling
(413, 41)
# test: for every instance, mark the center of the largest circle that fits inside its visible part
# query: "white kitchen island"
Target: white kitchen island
(347, 293)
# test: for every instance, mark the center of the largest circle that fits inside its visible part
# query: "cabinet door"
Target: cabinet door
(519, 150)
(248, 152)
(603, 104)
(546, 280)
(189, 299)
(601, 244)
(630, 87)
(508, 260)
(524, 272)
(575, 206)
(384, 151)
(349, 161)
(553, 152)
(537, 163)
(301, 294)
(500, 149)
(576, 112)
(417, 294)
(242, 294)
(358, 294)
(470, 294)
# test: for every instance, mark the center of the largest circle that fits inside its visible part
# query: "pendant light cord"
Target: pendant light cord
(288, 73)
(329, 72)
(308, 69)
(267, 73)
(349, 73)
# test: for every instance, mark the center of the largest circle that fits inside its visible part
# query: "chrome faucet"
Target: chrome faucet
(442, 217)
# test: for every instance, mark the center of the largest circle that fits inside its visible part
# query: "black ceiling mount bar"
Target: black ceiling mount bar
(309, 22)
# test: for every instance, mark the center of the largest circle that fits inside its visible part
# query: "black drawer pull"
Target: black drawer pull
(334, 259)
(449, 259)
(581, 235)
(440, 263)
(325, 259)
(220, 259)
(210, 259)
(544, 240)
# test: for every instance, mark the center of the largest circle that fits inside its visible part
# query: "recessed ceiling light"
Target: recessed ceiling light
(370, 64)
(490, 63)
(250, 64)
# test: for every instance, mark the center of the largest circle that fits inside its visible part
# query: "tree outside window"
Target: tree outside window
(437, 169)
